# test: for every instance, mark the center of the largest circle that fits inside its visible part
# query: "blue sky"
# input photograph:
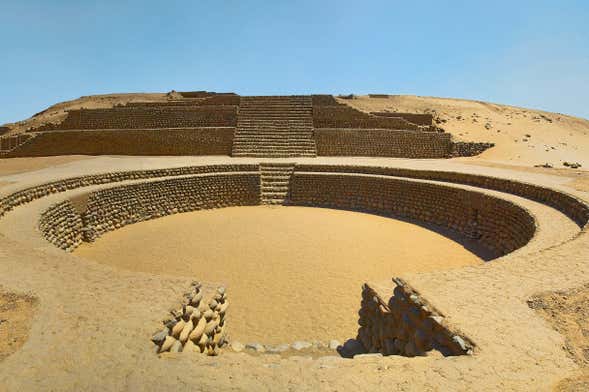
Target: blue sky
(526, 53)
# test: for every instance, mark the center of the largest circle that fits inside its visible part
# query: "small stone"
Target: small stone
(460, 342)
(221, 290)
(301, 345)
(368, 356)
(160, 336)
(277, 349)
(257, 347)
(334, 344)
(176, 347)
(237, 347)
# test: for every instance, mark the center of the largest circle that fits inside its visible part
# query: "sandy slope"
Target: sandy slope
(522, 136)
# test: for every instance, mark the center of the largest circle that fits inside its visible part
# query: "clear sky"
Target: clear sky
(520, 52)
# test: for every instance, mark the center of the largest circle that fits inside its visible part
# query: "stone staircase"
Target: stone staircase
(9, 144)
(275, 127)
(275, 182)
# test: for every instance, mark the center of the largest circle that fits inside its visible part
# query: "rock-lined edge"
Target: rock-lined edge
(407, 325)
(197, 326)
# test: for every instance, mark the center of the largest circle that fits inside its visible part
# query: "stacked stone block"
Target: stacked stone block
(62, 225)
(469, 149)
(10, 144)
(569, 205)
(145, 117)
(29, 194)
(415, 118)
(194, 141)
(113, 208)
(328, 113)
(406, 325)
(197, 326)
(501, 225)
(382, 143)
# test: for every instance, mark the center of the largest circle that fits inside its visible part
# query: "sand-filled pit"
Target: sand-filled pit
(293, 273)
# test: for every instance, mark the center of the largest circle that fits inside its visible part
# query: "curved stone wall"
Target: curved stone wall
(62, 225)
(569, 205)
(498, 225)
(113, 208)
(36, 192)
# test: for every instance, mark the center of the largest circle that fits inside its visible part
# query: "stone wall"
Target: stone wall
(382, 143)
(24, 196)
(204, 141)
(61, 225)
(145, 117)
(469, 149)
(113, 208)
(329, 113)
(415, 118)
(406, 324)
(569, 205)
(4, 130)
(498, 225)
(343, 116)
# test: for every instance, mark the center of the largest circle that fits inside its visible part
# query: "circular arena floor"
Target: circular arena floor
(294, 273)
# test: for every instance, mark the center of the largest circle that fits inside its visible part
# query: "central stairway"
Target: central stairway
(275, 127)
(275, 182)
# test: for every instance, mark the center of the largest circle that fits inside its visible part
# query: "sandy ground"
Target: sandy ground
(16, 316)
(302, 268)
(521, 136)
(568, 313)
(90, 329)
(21, 165)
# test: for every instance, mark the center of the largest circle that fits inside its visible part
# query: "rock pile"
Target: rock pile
(407, 325)
(198, 326)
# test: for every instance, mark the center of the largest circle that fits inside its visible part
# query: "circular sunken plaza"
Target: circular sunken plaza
(274, 243)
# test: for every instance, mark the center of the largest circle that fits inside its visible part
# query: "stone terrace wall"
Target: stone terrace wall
(328, 113)
(113, 208)
(4, 130)
(498, 225)
(569, 205)
(469, 149)
(406, 325)
(61, 225)
(382, 143)
(29, 194)
(415, 118)
(343, 116)
(204, 141)
(145, 117)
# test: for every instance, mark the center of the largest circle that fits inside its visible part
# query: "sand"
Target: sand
(522, 136)
(568, 313)
(16, 316)
(293, 273)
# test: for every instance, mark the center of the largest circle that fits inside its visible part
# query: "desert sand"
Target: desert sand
(281, 262)
(521, 136)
